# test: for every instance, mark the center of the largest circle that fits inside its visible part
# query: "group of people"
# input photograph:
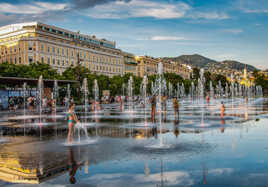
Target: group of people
(153, 102)
(175, 103)
(222, 106)
(95, 106)
(15, 102)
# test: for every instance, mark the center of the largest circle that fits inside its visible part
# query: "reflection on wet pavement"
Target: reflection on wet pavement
(199, 148)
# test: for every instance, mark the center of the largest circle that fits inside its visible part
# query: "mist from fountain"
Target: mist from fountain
(96, 93)
(201, 83)
(232, 86)
(81, 125)
(211, 90)
(40, 87)
(55, 94)
(182, 90)
(227, 90)
(68, 95)
(130, 94)
(170, 90)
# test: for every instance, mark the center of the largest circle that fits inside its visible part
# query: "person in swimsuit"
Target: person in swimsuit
(222, 110)
(176, 107)
(207, 98)
(72, 118)
(153, 103)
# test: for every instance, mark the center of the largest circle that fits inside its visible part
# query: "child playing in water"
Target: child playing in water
(207, 98)
(176, 107)
(222, 110)
(72, 118)
(153, 103)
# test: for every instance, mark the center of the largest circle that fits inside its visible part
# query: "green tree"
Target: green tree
(196, 73)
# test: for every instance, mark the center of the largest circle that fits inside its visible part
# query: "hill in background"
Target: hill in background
(199, 61)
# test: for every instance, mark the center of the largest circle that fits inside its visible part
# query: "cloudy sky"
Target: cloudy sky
(218, 29)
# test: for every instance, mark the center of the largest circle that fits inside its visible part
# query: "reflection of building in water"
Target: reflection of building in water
(30, 167)
(34, 162)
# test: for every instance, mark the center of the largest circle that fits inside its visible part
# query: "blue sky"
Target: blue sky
(218, 29)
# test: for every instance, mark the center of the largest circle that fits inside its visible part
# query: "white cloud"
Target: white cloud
(33, 8)
(220, 171)
(138, 8)
(171, 178)
(146, 8)
(160, 38)
(253, 6)
(209, 15)
(233, 31)
(116, 9)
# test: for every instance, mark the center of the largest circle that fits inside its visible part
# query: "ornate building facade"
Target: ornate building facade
(28, 43)
(130, 63)
(148, 66)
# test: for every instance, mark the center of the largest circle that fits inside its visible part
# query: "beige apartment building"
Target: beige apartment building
(130, 63)
(148, 66)
(28, 43)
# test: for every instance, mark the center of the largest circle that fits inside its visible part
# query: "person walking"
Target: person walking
(222, 110)
(153, 111)
(176, 107)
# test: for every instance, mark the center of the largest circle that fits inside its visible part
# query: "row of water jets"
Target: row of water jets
(159, 88)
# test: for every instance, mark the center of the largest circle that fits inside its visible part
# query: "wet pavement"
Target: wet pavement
(199, 148)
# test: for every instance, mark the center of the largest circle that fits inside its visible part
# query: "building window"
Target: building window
(15, 60)
(42, 59)
(58, 50)
(42, 47)
(72, 63)
(67, 52)
(62, 51)
(48, 60)
(58, 62)
(63, 62)
(67, 62)
(48, 49)
(30, 59)
(72, 53)
(19, 60)
(15, 49)
(53, 61)
(53, 49)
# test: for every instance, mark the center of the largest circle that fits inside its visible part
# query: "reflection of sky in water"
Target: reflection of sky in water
(233, 154)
